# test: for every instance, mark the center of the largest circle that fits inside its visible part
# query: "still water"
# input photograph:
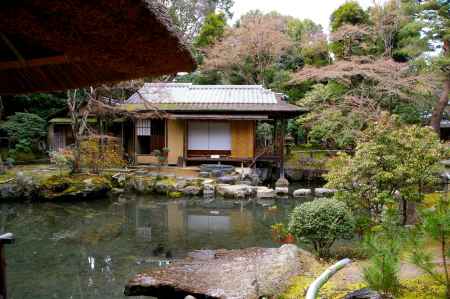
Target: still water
(90, 249)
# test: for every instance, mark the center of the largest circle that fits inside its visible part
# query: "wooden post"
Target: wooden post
(7, 238)
(282, 146)
(135, 141)
(185, 143)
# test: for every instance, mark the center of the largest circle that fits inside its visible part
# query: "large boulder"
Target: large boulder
(141, 184)
(302, 192)
(192, 190)
(264, 192)
(74, 187)
(321, 192)
(234, 191)
(245, 274)
(165, 186)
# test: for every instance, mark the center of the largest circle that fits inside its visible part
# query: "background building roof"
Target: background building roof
(185, 97)
(186, 93)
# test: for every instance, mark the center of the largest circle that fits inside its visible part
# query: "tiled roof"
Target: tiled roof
(186, 93)
(201, 98)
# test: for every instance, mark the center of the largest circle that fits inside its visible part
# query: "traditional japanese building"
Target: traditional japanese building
(201, 123)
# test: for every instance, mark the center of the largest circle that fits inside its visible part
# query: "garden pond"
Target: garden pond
(90, 249)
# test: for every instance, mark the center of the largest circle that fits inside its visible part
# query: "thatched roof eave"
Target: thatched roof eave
(48, 45)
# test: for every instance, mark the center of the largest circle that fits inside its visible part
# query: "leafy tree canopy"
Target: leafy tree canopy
(189, 15)
(348, 13)
(392, 162)
(46, 105)
(25, 126)
(212, 30)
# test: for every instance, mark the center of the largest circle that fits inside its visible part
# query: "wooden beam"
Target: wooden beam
(219, 117)
(36, 62)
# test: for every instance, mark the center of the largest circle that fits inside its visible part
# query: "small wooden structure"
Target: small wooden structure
(48, 45)
(206, 123)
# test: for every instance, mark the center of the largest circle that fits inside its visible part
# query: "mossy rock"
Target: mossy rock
(141, 184)
(74, 187)
(165, 186)
(175, 194)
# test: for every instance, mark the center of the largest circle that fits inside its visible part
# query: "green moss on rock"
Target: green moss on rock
(74, 187)
(175, 194)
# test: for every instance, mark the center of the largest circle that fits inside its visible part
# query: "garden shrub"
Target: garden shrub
(161, 155)
(100, 152)
(25, 126)
(62, 158)
(25, 131)
(321, 222)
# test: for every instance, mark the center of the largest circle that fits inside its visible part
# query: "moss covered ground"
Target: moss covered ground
(40, 172)
(414, 283)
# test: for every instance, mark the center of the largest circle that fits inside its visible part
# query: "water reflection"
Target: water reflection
(89, 250)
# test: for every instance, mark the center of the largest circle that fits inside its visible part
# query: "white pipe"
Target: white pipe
(324, 277)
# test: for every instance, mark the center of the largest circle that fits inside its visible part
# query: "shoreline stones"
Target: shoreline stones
(318, 192)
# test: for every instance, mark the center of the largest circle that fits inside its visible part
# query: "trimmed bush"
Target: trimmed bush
(321, 222)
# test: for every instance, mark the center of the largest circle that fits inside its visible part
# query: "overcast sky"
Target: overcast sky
(317, 10)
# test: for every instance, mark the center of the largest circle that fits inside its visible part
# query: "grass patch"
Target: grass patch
(330, 290)
(421, 287)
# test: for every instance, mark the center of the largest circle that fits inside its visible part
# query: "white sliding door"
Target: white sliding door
(209, 135)
(219, 136)
(198, 138)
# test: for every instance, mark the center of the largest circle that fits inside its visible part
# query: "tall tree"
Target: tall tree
(189, 15)
(251, 48)
(79, 105)
(436, 13)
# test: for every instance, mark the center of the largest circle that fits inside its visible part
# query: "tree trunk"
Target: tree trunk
(439, 109)
(76, 156)
(404, 211)
(2, 167)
